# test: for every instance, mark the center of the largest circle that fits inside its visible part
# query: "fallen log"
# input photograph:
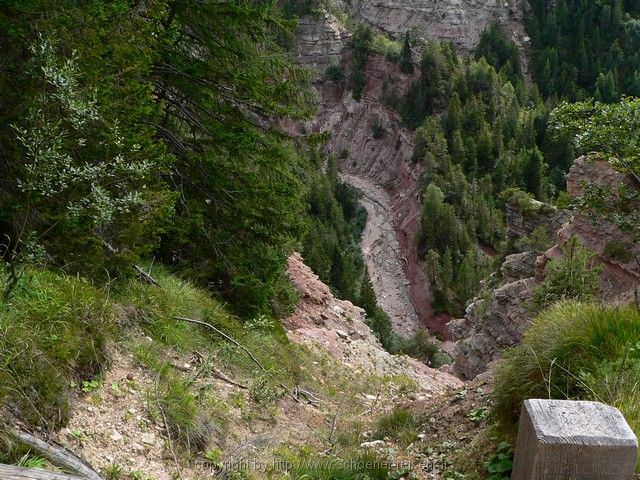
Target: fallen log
(56, 454)
(10, 472)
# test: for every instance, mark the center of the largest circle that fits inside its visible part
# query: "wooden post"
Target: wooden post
(10, 472)
(573, 440)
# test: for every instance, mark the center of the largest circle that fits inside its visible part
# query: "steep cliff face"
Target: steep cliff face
(499, 316)
(320, 41)
(338, 328)
(460, 21)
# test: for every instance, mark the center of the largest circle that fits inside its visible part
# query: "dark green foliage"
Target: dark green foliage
(81, 164)
(362, 44)
(500, 53)
(300, 7)
(137, 114)
(241, 205)
(380, 323)
(583, 49)
(480, 130)
(420, 346)
(617, 250)
(335, 73)
(331, 247)
(406, 58)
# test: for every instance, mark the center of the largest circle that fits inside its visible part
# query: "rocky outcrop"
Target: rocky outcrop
(320, 41)
(615, 250)
(498, 318)
(522, 220)
(338, 327)
(458, 21)
(490, 325)
(518, 266)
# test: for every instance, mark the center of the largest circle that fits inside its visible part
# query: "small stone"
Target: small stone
(115, 436)
(148, 439)
(342, 334)
(130, 376)
(373, 444)
(137, 447)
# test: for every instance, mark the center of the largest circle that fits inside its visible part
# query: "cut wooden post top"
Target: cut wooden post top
(579, 423)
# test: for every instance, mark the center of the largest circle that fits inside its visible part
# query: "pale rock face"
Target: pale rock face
(490, 326)
(461, 21)
(518, 266)
(320, 41)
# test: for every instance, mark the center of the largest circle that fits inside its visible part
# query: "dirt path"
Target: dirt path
(382, 254)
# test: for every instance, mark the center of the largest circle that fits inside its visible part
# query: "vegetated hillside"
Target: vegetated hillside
(120, 376)
(150, 200)
(491, 151)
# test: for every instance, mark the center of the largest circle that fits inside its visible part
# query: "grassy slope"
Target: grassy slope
(58, 332)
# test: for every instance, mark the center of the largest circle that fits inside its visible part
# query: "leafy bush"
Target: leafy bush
(499, 464)
(576, 351)
(420, 347)
(335, 73)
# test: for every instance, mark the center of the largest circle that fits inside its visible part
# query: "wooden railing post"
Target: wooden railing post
(573, 440)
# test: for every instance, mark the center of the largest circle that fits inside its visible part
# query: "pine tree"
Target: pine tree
(533, 171)
(406, 58)
(367, 296)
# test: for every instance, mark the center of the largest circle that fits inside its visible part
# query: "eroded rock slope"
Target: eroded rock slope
(497, 318)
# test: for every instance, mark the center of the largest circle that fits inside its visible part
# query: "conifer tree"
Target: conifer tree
(406, 58)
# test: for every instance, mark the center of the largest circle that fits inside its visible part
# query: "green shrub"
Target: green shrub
(521, 200)
(574, 276)
(335, 73)
(53, 332)
(538, 240)
(499, 464)
(420, 347)
(577, 351)
(618, 250)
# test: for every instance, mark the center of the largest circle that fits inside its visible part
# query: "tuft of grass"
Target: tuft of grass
(399, 424)
(174, 400)
(31, 461)
(113, 471)
(53, 330)
(361, 466)
(574, 351)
